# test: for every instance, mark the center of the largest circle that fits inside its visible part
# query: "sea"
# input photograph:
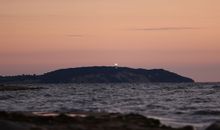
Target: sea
(175, 104)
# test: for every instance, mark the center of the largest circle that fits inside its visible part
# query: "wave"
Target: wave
(207, 112)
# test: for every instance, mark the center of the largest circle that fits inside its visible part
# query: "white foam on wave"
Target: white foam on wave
(176, 124)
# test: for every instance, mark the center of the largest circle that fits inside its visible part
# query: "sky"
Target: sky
(182, 36)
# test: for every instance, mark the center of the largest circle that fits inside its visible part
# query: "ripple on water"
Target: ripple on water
(180, 102)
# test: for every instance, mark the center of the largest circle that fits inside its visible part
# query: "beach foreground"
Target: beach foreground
(80, 121)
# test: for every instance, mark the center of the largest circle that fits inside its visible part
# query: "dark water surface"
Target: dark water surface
(195, 104)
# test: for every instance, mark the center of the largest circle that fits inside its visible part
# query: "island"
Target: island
(100, 74)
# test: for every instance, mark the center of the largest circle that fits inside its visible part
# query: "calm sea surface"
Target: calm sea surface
(175, 104)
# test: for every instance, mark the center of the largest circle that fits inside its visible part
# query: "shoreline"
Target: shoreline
(80, 121)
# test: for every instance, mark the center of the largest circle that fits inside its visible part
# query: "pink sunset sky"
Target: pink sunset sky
(182, 36)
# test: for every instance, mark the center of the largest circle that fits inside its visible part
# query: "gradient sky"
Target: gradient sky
(182, 36)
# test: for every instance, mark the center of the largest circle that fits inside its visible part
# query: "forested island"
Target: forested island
(100, 74)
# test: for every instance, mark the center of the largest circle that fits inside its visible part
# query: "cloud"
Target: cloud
(165, 28)
(74, 35)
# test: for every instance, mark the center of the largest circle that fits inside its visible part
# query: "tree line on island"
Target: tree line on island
(99, 74)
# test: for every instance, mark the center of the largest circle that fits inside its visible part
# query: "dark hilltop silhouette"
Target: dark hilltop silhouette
(99, 74)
